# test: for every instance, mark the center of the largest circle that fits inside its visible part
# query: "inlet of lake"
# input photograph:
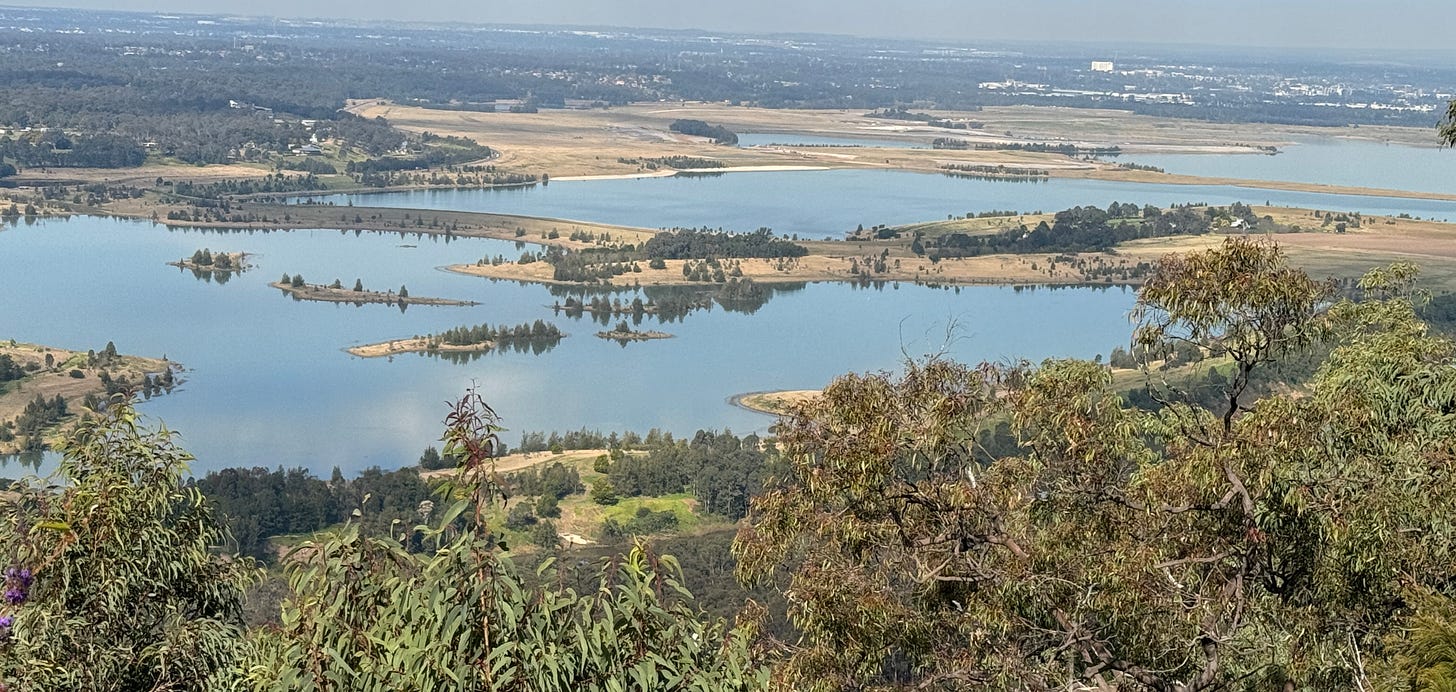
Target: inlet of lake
(268, 384)
(818, 204)
(1327, 161)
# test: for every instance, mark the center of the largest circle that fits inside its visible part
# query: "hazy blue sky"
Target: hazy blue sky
(1364, 24)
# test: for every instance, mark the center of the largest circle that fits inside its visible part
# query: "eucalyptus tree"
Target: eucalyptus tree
(112, 582)
(366, 614)
(1283, 543)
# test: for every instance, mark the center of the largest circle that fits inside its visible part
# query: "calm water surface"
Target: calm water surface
(830, 203)
(1326, 160)
(268, 382)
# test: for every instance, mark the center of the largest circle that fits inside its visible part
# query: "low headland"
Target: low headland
(44, 390)
(774, 403)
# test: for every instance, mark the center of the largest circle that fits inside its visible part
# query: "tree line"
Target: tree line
(1079, 229)
(684, 243)
(698, 128)
(482, 333)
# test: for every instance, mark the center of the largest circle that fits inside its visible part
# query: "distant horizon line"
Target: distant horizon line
(963, 42)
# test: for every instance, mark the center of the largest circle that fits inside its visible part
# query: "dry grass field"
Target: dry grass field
(616, 141)
(57, 380)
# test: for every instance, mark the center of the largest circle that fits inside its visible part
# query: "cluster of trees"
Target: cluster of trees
(702, 244)
(581, 268)
(644, 522)
(57, 150)
(221, 262)
(147, 385)
(721, 470)
(698, 128)
(556, 480)
(680, 162)
(998, 172)
(1079, 229)
(436, 151)
(482, 333)
(709, 270)
(575, 439)
(603, 309)
(38, 415)
(9, 369)
(273, 183)
(1049, 148)
(257, 504)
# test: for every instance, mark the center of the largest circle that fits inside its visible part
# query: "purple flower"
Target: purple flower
(6, 622)
(17, 584)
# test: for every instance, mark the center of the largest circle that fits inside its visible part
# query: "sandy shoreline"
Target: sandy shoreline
(772, 403)
(415, 345)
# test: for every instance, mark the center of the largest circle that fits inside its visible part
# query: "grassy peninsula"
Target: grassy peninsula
(44, 389)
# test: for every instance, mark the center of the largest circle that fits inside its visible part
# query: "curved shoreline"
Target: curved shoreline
(771, 402)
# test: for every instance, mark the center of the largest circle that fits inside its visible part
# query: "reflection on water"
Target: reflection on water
(667, 304)
(269, 382)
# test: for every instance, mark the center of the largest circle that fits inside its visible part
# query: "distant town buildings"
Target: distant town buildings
(1101, 65)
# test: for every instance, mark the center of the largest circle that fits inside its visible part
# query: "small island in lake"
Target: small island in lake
(336, 293)
(623, 333)
(44, 390)
(205, 260)
(481, 337)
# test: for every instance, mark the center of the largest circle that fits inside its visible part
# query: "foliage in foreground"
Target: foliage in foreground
(1283, 543)
(112, 583)
(370, 615)
(115, 585)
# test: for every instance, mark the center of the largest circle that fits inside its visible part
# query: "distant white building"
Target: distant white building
(1101, 65)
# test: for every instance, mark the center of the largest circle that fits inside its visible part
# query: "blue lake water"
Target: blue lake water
(1330, 161)
(816, 204)
(268, 383)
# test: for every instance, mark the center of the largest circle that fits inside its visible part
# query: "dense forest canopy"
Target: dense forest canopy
(701, 244)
